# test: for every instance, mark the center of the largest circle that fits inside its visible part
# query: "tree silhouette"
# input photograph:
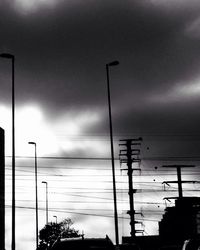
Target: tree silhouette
(50, 232)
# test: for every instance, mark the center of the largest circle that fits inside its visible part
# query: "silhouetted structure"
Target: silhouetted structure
(179, 223)
(2, 191)
(182, 221)
(151, 242)
(83, 243)
(129, 156)
(179, 179)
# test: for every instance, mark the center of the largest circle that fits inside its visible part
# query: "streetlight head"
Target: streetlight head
(6, 55)
(31, 142)
(44, 182)
(114, 63)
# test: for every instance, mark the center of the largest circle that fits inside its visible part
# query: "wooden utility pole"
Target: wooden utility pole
(130, 156)
(179, 179)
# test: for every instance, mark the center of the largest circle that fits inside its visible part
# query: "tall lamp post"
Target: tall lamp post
(36, 192)
(12, 57)
(46, 201)
(114, 63)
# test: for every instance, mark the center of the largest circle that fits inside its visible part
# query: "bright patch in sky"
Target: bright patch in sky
(192, 29)
(178, 92)
(188, 90)
(51, 137)
(33, 5)
(70, 128)
(31, 126)
(193, 89)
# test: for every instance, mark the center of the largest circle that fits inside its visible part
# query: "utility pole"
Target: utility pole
(179, 179)
(130, 156)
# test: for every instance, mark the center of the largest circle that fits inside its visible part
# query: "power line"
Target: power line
(94, 202)
(64, 158)
(74, 181)
(80, 213)
(153, 158)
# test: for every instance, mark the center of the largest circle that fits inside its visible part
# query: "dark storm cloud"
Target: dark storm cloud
(62, 51)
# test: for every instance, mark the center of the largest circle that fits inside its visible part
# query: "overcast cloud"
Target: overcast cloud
(61, 49)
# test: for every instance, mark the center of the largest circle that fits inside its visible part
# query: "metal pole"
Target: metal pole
(36, 196)
(2, 189)
(13, 153)
(10, 56)
(112, 158)
(36, 193)
(46, 201)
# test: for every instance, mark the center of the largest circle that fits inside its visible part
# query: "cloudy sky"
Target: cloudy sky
(61, 49)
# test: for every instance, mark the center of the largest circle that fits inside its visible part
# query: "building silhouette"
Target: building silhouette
(2, 191)
(181, 221)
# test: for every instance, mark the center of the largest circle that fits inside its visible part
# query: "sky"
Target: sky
(61, 49)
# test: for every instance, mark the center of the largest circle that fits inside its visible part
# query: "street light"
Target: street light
(12, 57)
(114, 63)
(56, 218)
(46, 201)
(36, 192)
